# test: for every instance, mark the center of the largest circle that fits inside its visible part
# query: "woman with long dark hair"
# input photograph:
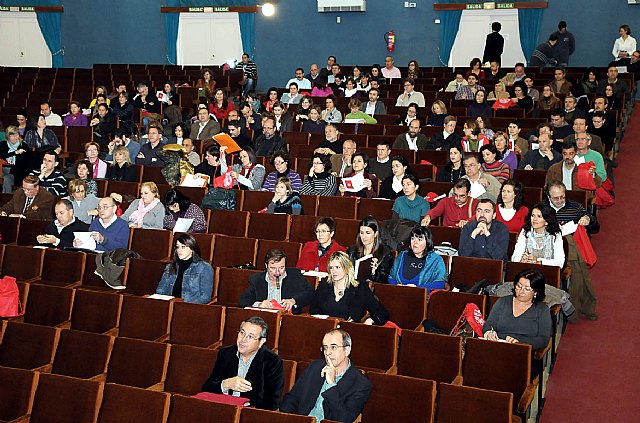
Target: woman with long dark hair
(510, 210)
(540, 240)
(178, 206)
(368, 243)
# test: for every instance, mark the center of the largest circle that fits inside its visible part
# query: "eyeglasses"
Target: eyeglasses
(559, 198)
(251, 337)
(471, 166)
(332, 348)
(322, 231)
(105, 207)
(279, 163)
(526, 289)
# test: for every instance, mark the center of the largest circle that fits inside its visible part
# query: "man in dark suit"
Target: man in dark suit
(205, 128)
(332, 388)
(30, 201)
(59, 233)
(270, 141)
(448, 137)
(413, 139)
(249, 369)
(494, 45)
(374, 106)
(286, 285)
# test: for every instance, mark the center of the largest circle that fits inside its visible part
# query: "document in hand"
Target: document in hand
(354, 183)
(226, 140)
(88, 243)
(363, 268)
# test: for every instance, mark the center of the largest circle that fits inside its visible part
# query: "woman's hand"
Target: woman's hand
(367, 183)
(342, 189)
(223, 150)
(491, 335)
(20, 151)
(511, 340)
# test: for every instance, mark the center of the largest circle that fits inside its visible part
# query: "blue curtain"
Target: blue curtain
(449, 25)
(172, 21)
(49, 26)
(529, 24)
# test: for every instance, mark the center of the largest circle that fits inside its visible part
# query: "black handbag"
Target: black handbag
(219, 199)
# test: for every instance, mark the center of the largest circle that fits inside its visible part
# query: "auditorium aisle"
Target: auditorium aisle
(598, 367)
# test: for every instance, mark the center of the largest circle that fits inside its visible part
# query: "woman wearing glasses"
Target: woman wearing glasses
(540, 240)
(315, 254)
(280, 161)
(147, 212)
(320, 180)
(187, 276)
(84, 202)
(523, 316)
(342, 296)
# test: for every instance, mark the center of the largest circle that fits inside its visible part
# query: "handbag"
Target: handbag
(585, 179)
(224, 181)
(469, 324)
(219, 199)
(584, 246)
(10, 305)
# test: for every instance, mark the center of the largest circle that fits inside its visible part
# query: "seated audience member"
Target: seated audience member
(205, 128)
(374, 106)
(285, 199)
(109, 231)
(320, 180)
(41, 138)
(390, 71)
(331, 388)
(280, 160)
(75, 116)
(391, 188)
(277, 286)
(510, 210)
(15, 165)
(148, 155)
(101, 90)
(368, 243)
(516, 143)
(342, 163)
(517, 75)
(220, 106)
(508, 157)
(499, 92)
(331, 114)
(540, 240)
(120, 139)
(83, 172)
(206, 85)
(314, 124)
(620, 86)
(410, 115)
(454, 169)
(600, 127)
(321, 88)
(567, 210)
(187, 276)
(483, 185)
(485, 127)
(249, 369)
(315, 254)
(475, 67)
(249, 174)
(447, 138)
(51, 178)
(83, 202)
(541, 158)
(122, 169)
(479, 106)
(178, 206)
(495, 73)
(343, 296)
(293, 96)
(30, 201)
(411, 205)
(522, 317)
(359, 164)
(409, 95)
(560, 85)
(123, 110)
(457, 209)
(381, 166)
(302, 112)
(146, 212)
(521, 99)
(548, 99)
(457, 83)
(59, 233)
(583, 142)
(269, 141)
(492, 164)
(468, 91)
(413, 139)
(180, 132)
(413, 69)
(473, 139)
(23, 121)
(419, 265)
(357, 114)
(351, 89)
(567, 170)
(283, 120)
(103, 124)
(272, 99)
(98, 167)
(438, 114)
(234, 128)
(210, 167)
(485, 237)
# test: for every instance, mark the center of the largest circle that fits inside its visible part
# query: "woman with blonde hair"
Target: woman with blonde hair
(342, 296)
(84, 202)
(146, 212)
(122, 169)
(438, 113)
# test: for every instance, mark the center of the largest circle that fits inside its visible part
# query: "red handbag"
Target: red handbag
(224, 181)
(586, 180)
(10, 298)
(604, 196)
(583, 244)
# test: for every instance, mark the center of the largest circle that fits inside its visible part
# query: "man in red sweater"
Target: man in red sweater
(456, 210)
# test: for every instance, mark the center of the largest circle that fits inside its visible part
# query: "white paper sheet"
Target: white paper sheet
(193, 181)
(353, 184)
(161, 297)
(182, 225)
(88, 243)
(569, 228)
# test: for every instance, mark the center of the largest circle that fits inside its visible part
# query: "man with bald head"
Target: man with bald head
(541, 158)
(580, 125)
(341, 163)
(585, 154)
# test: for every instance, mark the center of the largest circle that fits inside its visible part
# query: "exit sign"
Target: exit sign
(474, 6)
(505, 5)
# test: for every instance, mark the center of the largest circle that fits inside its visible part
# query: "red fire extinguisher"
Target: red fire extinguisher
(390, 38)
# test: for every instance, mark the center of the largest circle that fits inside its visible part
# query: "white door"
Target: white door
(21, 41)
(474, 27)
(208, 38)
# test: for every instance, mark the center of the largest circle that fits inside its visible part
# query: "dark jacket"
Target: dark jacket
(41, 207)
(66, 235)
(438, 141)
(125, 173)
(294, 285)
(385, 261)
(493, 48)
(266, 375)
(493, 247)
(359, 300)
(342, 402)
(266, 147)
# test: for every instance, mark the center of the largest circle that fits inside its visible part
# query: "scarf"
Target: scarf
(138, 216)
(540, 245)
(95, 169)
(284, 174)
(12, 149)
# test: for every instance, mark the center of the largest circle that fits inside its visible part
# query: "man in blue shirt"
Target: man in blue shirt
(485, 237)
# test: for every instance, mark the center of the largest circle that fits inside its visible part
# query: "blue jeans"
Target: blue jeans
(250, 85)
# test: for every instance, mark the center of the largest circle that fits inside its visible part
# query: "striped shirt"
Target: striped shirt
(250, 69)
(55, 183)
(320, 186)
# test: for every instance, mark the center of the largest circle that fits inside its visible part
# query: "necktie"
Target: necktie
(27, 204)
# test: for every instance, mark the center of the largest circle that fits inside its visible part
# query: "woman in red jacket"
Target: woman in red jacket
(510, 210)
(315, 254)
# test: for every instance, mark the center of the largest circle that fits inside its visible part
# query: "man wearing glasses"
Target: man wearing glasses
(109, 231)
(249, 369)
(278, 286)
(30, 201)
(330, 388)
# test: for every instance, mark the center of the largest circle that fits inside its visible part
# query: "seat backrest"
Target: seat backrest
(27, 346)
(135, 362)
(346, 231)
(469, 270)
(301, 336)
(81, 354)
(23, 263)
(9, 227)
(194, 194)
(255, 415)
(16, 391)
(30, 229)
(456, 403)
(269, 226)
(69, 399)
(343, 207)
(48, 305)
(118, 400)
(231, 251)
(63, 267)
(376, 347)
(208, 330)
(309, 204)
(379, 208)
(256, 200)
(188, 369)
(445, 234)
(123, 188)
(234, 318)
(551, 273)
(142, 276)
(231, 284)
(303, 228)
(206, 242)
(406, 304)
(186, 409)
(96, 312)
(151, 244)
(290, 368)
(229, 222)
(89, 278)
(445, 307)
(413, 399)
(291, 249)
(144, 318)
(430, 356)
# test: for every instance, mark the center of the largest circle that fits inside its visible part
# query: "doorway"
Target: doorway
(21, 41)
(208, 38)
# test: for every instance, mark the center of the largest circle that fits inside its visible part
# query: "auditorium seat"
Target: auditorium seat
(268, 226)
(229, 222)
(303, 229)
(153, 174)
(142, 276)
(232, 251)
(23, 263)
(139, 363)
(301, 336)
(206, 242)
(231, 284)
(406, 304)
(255, 415)
(531, 196)
(145, 318)
(128, 404)
(62, 268)
(82, 354)
(151, 244)
(375, 347)
(69, 399)
(344, 207)
(188, 369)
(90, 280)
(77, 137)
(194, 194)
(27, 346)
(96, 312)
(309, 204)
(199, 325)
(458, 403)
(234, 318)
(123, 188)
(16, 391)
(437, 158)
(531, 178)
(445, 307)
(9, 227)
(469, 270)
(291, 249)
(430, 356)
(256, 200)
(397, 398)
(186, 409)
(346, 231)
(379, 208)
(290, 367)
(49, 305)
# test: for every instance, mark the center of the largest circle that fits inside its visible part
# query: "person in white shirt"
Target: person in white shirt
(303, 83)
(51, 118)
(389, 70)
(293, 96)
(624, 46)
(409, 96)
